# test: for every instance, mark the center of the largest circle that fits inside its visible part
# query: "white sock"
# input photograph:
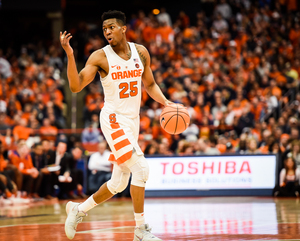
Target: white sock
(87, 204)
(139, 219)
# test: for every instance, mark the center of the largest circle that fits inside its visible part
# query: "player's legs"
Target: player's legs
(117, 183)
(138, 197)
(139, 168)
(140, 172)
(76, 211)
(102, 194)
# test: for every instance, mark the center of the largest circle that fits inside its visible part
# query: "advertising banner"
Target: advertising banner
(212, 172)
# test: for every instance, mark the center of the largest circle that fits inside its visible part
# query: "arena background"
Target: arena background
(190, 182)
(36, 23)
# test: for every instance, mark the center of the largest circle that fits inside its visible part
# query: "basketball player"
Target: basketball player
(122, 66)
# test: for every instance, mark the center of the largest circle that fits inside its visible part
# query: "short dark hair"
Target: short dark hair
(37, 144)
(120, 16)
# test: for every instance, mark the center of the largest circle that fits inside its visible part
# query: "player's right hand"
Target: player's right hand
(65, 42)
(170, 103)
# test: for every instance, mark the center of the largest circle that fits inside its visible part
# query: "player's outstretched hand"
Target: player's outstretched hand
(65, 42)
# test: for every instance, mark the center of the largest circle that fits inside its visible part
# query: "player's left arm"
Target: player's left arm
(148, 80)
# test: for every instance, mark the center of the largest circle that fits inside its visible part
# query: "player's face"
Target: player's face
(113, 31)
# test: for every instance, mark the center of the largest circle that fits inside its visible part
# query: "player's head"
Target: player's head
(114, 26)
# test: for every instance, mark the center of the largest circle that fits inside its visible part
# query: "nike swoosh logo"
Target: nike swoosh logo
(113, 66)
(163, 119)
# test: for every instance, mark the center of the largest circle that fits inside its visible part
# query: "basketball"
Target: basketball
(174, 119)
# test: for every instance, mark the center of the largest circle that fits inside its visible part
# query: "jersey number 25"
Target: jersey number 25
(132, 86)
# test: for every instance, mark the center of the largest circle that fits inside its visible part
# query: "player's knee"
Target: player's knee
(117, 186)
(140, 172)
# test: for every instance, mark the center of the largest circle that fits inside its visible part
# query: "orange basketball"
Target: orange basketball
(174, 119)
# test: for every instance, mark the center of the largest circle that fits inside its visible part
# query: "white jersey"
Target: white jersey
(122, 85)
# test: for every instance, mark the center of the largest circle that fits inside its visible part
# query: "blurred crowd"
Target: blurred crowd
(32, 111)
(235, 65)
(31, 173)
(32, 103)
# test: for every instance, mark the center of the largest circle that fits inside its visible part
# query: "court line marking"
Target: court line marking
(101, 221)
(105, 229)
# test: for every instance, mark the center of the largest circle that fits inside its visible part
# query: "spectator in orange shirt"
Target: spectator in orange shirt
(284, 142)
(94, 93)
(166, 32)
(21, 131)
(256, 108)
(295, 34)
(27, 111)
(148, 32)
(238, 103)
(204, 129)
(48, 131)
(22, 160)
(273, 90)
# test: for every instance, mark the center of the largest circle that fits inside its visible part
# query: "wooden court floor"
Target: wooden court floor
(210, 218)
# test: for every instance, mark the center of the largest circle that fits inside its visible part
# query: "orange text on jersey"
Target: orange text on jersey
(126, 74)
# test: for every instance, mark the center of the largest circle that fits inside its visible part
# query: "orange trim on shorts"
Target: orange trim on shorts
(117, 134)
(122, 144)
(112, 158)
(115, 125)
(124, 157)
